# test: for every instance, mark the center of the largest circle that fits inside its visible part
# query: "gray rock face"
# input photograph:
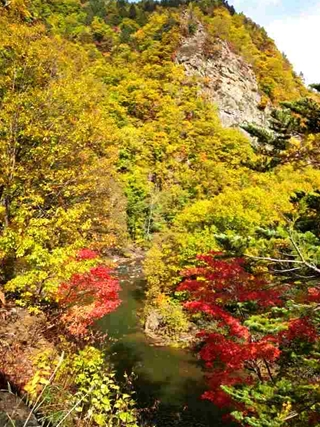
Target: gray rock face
(157, 330)
(227, 80)
(153, 322)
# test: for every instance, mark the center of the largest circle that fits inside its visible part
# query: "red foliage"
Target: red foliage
(86, 254)
(226, 281)
(220, 284)
(227, 296)
(229, 361)
(231, 353)
(216, 395)
(300, 329)
(87, 297)
(313, 295)
(225, 319)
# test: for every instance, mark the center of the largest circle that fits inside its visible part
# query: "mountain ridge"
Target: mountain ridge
(226, 79)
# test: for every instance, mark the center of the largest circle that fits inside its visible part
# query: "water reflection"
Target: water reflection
(166, 378)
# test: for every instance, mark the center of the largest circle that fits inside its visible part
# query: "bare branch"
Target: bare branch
(282, 261)
(306, 263)
(287, 261)
(296, 248)
(289, 270)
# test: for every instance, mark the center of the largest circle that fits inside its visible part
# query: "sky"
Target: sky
(295, 27)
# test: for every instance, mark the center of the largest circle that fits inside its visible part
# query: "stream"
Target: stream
(169, 380)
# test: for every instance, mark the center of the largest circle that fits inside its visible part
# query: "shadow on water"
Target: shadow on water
(168, 381)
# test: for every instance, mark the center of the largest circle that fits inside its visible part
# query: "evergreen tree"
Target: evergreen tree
(307, 112)
(315, 86)
(132, 12)
(273, 141)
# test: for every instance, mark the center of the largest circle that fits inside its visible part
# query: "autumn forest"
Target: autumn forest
(173, 134)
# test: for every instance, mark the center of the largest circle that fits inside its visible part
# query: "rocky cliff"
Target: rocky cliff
(225, 78)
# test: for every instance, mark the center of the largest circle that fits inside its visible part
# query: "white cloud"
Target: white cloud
(298, 37)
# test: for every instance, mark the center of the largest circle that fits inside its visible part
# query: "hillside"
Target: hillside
(122, 129)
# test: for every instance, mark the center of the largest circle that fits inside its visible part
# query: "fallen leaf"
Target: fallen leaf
(2, 298)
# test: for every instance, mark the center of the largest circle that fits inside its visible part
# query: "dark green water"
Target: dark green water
(167, 379)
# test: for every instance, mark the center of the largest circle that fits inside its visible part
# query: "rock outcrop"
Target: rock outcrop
(225, 78)
(157, 330)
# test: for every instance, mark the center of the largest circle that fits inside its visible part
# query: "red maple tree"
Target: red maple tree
(220, 289)
(89, 296)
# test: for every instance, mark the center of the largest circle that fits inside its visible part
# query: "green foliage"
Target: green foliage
(96, 387)
(174, 319)
(307, 111)
(274, 141)
(102, 132)
(292, 135)
(285, 390)
(85, 388)
(54, 137)
(266, 400)
(315, 86)
(275, 404)
(171, 253)
(265, 324)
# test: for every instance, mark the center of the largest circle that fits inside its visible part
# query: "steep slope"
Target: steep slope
(276, 78)
(238, 66)
(225, 78)
(109, 128)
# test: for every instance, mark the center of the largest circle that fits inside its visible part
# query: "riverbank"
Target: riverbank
(168, 381)
(22, 338)
(22, 341)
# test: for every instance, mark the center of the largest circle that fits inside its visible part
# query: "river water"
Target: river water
(168, 379)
